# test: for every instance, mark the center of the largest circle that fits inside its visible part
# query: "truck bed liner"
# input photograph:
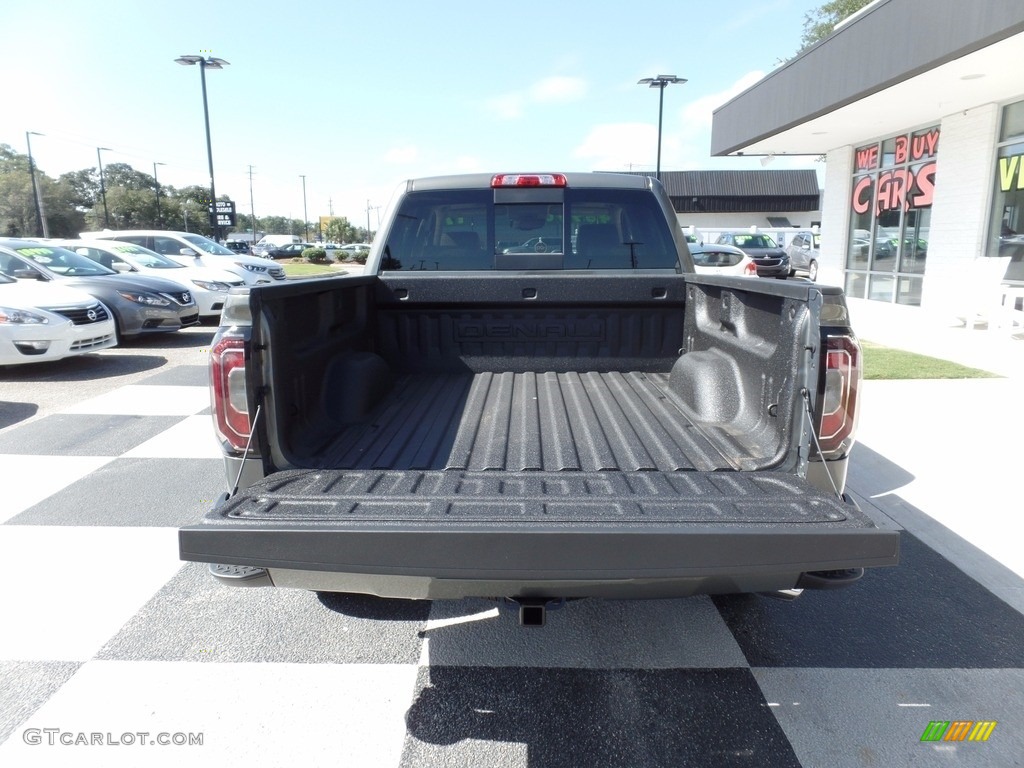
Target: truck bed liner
(518, 422)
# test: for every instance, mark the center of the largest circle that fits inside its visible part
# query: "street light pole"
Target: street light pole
(305, 216)
(41, 228)
(660, 82)
(103, 187)
(205, 63)
(156, 183)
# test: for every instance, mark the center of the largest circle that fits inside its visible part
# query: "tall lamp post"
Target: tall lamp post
(208, 62)
(156, 183)
(305, 216)
(103, 186)
(41, 228)
(660, 82)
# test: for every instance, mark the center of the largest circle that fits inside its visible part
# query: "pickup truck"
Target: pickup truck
(582, 417)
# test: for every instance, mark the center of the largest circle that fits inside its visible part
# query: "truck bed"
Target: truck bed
(519, 422)
(535, 436)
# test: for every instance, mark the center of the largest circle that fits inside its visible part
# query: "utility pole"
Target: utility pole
(40, 216)
(368, 209)
(305, 216)
(156, 183)
(103, 187)
(252, 209)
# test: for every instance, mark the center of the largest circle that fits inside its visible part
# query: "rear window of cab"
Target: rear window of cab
(567, 229)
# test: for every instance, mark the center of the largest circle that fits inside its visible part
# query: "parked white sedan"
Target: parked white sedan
(720, 259)
(41, 321)
(209, 286)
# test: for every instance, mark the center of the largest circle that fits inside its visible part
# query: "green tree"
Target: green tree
(123, 175)
(821, 21)
(340, 230)
(82, 187)
(281, 225)
(17, 206)
(63, 217)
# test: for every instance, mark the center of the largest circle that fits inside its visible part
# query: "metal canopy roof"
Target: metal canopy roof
(740, 191)
(898, 64)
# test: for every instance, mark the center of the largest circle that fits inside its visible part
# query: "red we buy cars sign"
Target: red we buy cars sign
(903, 188)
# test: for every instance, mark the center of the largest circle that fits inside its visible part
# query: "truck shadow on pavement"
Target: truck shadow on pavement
(83, 368)
(375, 608)
(12, 413)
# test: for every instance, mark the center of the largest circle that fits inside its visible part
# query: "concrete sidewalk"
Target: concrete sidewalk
(939, 335)
(942, 458)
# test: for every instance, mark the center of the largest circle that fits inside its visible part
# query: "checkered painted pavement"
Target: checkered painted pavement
(106, 632)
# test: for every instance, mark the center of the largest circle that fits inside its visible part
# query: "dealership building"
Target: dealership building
(918, 111)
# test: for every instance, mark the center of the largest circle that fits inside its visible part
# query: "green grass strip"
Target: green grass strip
(890, 364)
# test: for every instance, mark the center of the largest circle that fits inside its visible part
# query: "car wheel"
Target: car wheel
(812, 270)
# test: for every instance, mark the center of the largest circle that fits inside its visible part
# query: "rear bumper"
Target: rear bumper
(392, 546)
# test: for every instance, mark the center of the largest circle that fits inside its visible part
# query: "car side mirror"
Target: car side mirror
(188, 252)
(120, 266)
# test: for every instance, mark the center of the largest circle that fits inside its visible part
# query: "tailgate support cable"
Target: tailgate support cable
(814, 437)
(248, 448)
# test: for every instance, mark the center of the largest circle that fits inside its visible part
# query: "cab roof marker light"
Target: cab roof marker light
(529, 180)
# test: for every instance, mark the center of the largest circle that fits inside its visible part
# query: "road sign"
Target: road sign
(225, 214)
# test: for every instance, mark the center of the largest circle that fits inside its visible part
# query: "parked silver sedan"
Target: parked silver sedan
(139, 304)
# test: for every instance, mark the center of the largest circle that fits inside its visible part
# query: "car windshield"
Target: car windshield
(206, 244)
(144, 257)
(754, 241)
(61, 261)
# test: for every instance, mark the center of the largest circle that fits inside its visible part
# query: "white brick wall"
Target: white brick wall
(963, 196)
(835, 215)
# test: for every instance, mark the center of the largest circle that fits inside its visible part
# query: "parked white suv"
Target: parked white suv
(209, 287)
(194, 250)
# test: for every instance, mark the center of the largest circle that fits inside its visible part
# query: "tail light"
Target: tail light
(839, 401)
(230, 401)
(750, 269)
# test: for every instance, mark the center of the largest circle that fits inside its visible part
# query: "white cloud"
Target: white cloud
(558, 89)
(618, 146)
(402, 155)
(506, 107)
(550, 90)
(698, 112)
(685, 140)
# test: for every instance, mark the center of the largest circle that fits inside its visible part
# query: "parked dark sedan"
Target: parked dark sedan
(285, 251)
(769, 259)
(139, 304)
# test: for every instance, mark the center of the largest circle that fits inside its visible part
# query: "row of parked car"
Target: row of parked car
(756, 253)
(272, 250)
(64, 297)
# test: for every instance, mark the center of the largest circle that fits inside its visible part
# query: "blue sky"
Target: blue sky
(359, 96)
